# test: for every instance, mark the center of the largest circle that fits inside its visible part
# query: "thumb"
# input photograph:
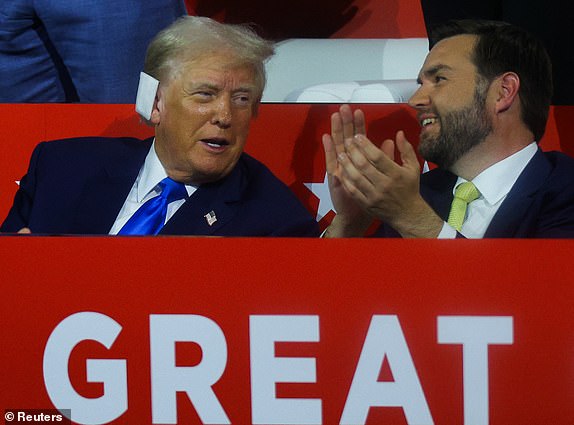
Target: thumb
(407, 152)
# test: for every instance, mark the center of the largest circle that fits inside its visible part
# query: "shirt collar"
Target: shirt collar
(495, 182)
(152, 173)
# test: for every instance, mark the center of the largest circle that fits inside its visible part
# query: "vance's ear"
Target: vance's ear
(508, 85)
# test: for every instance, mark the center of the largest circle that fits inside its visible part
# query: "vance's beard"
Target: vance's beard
(459, 132)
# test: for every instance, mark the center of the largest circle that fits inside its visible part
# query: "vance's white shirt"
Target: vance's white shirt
(494, 184)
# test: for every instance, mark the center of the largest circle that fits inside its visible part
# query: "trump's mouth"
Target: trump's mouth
(216, 143)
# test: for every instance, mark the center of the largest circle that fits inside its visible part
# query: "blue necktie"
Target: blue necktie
(150, 217)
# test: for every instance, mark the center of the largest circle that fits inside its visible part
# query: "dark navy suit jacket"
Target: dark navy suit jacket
(539, 205)
(78, 186)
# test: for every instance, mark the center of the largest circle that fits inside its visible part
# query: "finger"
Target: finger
(357, 195)
(359, 172)
(351, 178)
(360, 125)
(348, 121)
(336, 127)
(388, 148)
(337, 136)
(377, 157)
(357, 155)
(407, 152)
(330, 154)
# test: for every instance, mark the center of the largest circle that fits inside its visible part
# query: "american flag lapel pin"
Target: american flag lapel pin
(210, 217)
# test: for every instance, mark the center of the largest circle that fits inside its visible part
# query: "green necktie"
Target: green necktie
(464, 194)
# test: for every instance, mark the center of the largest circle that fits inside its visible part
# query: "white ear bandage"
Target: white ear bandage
(147, 89)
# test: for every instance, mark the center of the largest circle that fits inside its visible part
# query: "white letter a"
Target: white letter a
(385, 338)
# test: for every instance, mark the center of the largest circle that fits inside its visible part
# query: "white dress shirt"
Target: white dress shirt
(146, 187)
(494, 184)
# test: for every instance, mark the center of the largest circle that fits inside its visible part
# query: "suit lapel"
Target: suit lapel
(515, 207)
(104, 194)
(222, 199)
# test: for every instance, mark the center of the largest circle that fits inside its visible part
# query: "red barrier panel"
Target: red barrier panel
(203, 330)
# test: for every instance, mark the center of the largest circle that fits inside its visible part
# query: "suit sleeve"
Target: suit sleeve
(557, 216)
(21, 210)
(554, 202)
(303, 226)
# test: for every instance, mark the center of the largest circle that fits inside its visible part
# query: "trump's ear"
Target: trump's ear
(508, 86)
(158, 106)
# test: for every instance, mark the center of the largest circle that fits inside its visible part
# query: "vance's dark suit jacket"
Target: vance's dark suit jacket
(539, 205)
(78, 186)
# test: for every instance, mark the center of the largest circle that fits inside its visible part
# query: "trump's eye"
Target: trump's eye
(242, 99)
(203, 94)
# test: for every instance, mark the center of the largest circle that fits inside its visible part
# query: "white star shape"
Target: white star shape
(321, 191)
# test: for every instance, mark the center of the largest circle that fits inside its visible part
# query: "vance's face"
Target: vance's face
(202, 118)
(450, 102)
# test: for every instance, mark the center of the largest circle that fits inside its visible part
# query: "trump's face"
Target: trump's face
(202, 117)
